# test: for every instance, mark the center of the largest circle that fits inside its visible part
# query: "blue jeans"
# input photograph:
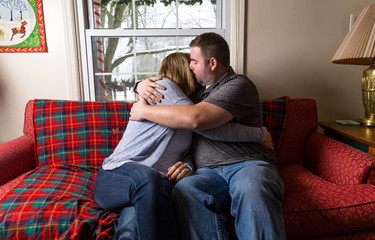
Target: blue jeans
(252, 190)
(144, 188)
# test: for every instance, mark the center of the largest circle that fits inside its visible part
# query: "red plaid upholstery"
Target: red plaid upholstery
(54, 203)
(75, 133)
(56, 200)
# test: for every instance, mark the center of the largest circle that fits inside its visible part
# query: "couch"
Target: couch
(47, 175)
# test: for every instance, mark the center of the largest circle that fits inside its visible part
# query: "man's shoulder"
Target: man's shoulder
(238, 81)
(243, 79)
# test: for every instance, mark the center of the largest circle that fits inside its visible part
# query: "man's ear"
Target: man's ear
(212, 63)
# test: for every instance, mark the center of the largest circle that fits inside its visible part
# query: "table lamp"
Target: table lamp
(358, 48)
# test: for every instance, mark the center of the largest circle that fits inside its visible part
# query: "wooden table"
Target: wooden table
(360, 136)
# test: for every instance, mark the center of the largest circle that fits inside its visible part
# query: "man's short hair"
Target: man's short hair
(212, 45)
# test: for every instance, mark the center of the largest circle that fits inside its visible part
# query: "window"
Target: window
(123, 41)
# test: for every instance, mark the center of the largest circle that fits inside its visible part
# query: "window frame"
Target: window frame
(87, 31)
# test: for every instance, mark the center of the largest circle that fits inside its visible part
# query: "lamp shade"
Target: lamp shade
(358, 47)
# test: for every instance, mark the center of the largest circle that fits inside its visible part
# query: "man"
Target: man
(239, 177)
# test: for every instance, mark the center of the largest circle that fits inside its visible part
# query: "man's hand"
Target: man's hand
(137, 109)
(146, 89)
(267, 139)
(178, 171)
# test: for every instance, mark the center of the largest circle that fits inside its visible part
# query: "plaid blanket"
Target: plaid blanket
(274, 118)
(55, 203)
(72, 139)
(78, 134)
(56, 200)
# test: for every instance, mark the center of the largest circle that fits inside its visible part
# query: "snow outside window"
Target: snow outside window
(123, 41)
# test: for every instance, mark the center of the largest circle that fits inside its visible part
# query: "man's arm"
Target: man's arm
(234, 132)
(200, 116)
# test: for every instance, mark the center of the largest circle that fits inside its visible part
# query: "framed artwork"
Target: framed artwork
(22, 26)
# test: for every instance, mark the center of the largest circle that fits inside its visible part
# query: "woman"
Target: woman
(150, 158)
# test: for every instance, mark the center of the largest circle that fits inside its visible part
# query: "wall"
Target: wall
(289, 47)
(25, 76)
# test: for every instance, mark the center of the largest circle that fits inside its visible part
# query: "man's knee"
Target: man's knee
(182, 189)
(259, 183)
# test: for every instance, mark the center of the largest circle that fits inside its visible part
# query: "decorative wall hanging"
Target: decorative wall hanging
(22, 26)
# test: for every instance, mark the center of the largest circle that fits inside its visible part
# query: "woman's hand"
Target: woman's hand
(178, 171)
(138, 109)
(146, 89)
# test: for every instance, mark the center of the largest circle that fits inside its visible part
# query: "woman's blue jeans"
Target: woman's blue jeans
(143, 187)
(253, 191)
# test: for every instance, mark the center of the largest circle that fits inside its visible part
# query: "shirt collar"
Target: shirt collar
(209, 88)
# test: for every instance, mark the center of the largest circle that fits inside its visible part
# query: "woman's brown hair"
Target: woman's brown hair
(176, 67)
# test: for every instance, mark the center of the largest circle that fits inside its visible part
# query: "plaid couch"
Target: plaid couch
(48, 173)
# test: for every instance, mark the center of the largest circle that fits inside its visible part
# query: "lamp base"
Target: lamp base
(368, 96)
(367, 121)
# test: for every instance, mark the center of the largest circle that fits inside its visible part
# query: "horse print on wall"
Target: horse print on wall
(22, 26)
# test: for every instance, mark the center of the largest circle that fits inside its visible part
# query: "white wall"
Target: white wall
(289, 47)
(25, 76)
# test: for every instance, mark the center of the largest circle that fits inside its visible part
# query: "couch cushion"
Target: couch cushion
(55, 203)
(77, 133)
(330, 208)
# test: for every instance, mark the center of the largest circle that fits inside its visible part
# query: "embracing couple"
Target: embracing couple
(193, 150)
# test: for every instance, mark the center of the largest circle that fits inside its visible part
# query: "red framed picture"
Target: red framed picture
(22, 26)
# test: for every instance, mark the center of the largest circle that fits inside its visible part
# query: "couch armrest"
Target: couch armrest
(16, 157)
(337, 162)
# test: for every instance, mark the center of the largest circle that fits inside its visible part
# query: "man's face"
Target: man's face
(200, 67)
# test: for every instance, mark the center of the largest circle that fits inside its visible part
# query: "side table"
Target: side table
(360, 136)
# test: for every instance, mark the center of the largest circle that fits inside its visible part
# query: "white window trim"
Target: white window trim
(87, 82)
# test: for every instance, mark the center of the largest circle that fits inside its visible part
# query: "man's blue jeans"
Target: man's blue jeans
(143, 187)
(252, 190)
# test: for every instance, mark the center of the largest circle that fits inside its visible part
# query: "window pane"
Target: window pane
(118, 62)
(154, 14)
(199, 15)
(111, 53)
(121, 55)
(128, 39)
(114, 88)
(158, 15)
(150, 51)
(113, 68)
(113, 14)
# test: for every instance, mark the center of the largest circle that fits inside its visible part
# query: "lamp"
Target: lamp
(358, 48)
